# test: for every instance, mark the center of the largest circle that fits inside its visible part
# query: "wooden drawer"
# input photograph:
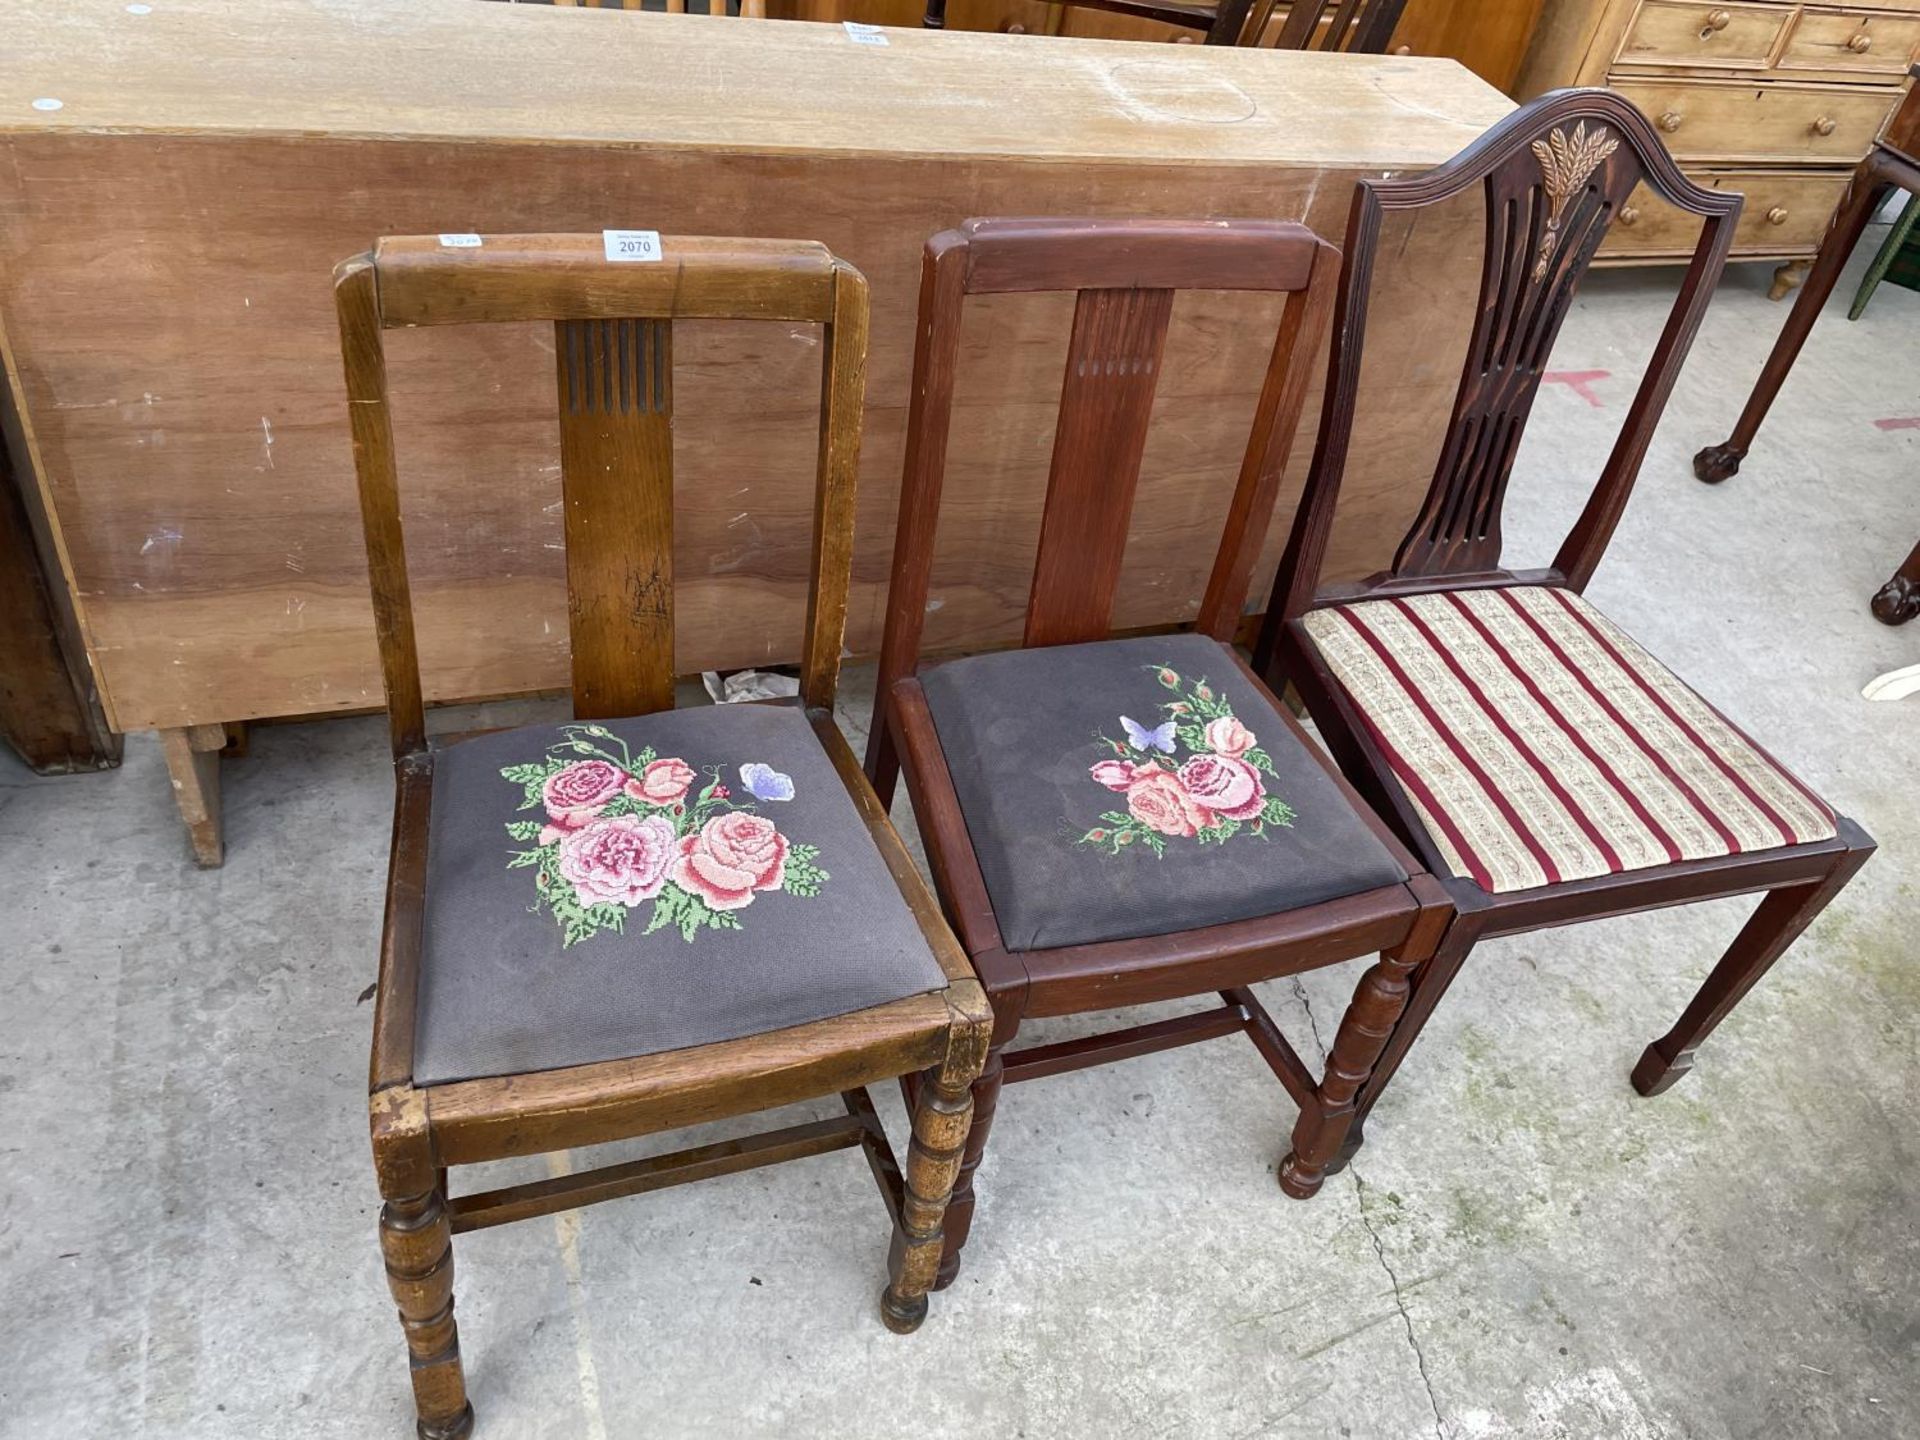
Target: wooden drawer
(1785, 214)
(1869, 42)
(1694, 35)
(1735, 120)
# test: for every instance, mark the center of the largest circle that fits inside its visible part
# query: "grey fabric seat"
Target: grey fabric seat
(1139, 787)
(602, 890)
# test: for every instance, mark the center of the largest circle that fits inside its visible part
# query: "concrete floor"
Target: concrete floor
(1525, 1248)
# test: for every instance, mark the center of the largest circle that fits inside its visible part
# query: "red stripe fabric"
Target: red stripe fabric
(1545, 743)
(1572, 733)
(1652, 752)
(1460, 751)
(1513, 737)
(1787, 835)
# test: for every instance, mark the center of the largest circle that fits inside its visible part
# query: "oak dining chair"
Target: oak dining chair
(646, 918)
(1112, 822)
(1534, 755)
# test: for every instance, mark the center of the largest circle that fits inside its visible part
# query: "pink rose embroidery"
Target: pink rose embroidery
(1158, 800)
(664, 782)
(1227, 736)
(1198, 775)
(619, 824)
(580, 791)
(734, 855)
(1227, 786)
(618, 861)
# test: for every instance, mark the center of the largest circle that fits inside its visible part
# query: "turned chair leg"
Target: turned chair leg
(416, 1239)
(1428, 984)
(1364, 1031)
(959, 1220)
(1717, 462)
(941, 1118)
(1773, 926)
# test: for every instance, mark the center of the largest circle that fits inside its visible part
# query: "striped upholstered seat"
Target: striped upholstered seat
(1539, 743)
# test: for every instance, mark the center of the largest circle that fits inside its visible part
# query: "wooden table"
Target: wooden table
(167, 235)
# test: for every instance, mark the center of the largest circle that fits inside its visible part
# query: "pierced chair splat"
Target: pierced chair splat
(1528, 749)
(1112, 822)
(646, 918)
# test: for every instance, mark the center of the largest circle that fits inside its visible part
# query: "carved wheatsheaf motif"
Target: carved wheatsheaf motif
(1565, 165)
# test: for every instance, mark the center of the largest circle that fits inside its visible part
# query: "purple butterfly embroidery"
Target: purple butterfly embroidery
(765, 782)
(1140, 738)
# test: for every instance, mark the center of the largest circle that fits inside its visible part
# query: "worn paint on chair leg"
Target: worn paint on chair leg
(941, 1123)
(416, 1239)
(1363, 1035)
(959, 1219)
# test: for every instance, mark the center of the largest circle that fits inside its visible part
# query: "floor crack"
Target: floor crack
(1373, 1234)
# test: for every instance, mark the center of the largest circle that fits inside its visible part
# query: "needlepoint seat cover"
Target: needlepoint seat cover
(1539, 743)
(601, 890)
(1139, 787)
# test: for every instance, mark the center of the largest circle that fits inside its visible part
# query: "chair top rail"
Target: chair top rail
(424, 281)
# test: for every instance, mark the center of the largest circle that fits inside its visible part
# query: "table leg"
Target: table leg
(193, 761)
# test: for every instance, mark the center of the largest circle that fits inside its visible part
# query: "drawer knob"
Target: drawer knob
(1718, 20)
(1823, 126)
(1671, 121)
(1777, 215)
(1629, 215)
(1860, 43)
(1014, 27)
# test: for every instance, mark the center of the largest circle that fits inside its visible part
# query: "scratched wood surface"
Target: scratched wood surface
(167, 237)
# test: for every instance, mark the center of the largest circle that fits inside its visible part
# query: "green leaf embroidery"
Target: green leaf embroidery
(523, 829)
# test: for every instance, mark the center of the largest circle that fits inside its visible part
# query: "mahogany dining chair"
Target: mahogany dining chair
(647, 918)
(1111, 822)
(1532, 753)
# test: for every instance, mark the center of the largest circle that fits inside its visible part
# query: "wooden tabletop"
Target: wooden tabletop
(458, 69)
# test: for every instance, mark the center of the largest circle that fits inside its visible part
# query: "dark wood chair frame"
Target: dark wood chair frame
(614, 346)
(1361, 27)
(1455, 542)
(1892, 164)
(1125, 274)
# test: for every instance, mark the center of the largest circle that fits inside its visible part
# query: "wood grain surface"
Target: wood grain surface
(167, 238)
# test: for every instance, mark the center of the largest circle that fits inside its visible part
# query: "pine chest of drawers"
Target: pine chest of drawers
(1777, 100)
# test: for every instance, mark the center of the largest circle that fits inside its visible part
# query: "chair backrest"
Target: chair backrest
(1362, 27)
(1554, 174)
(613, 346)
(1125, 273)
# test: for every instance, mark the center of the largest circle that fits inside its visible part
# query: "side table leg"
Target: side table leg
(193, 761)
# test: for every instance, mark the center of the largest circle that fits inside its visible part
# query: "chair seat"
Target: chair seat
(1539, 743)
(1140, 787)
(610, 889)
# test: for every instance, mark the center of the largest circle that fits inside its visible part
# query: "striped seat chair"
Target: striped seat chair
(1529, 751)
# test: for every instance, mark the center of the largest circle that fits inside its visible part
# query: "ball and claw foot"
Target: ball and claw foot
(1717, 463)
(1897, 601)
(457, 1428)
(1655, 1074)
(902, 1317)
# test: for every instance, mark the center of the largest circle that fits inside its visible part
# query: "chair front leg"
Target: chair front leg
(942, 1116)
(1364, 1031)
(1773, 926)
(959, 1219)
(416, 1240)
